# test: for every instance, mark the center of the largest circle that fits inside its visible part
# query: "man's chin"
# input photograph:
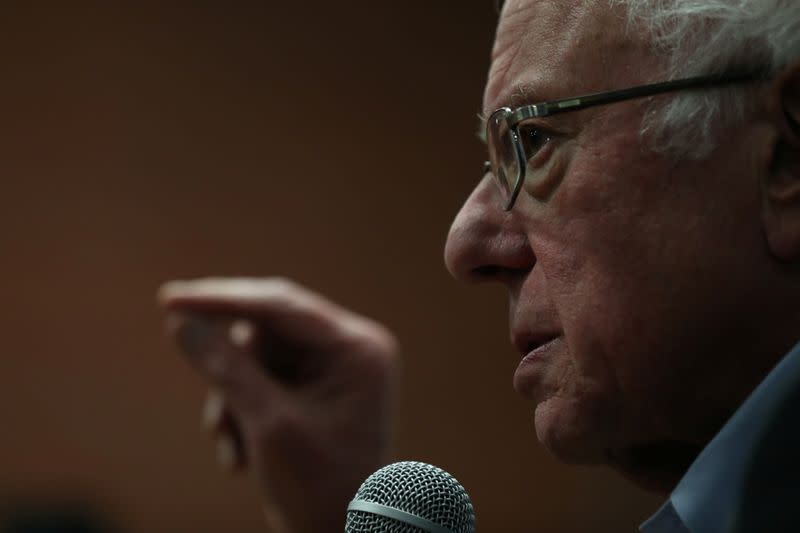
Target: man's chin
(578, 438)
(567, 437)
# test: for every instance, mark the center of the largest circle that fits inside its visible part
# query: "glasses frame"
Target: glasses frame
(513, 117)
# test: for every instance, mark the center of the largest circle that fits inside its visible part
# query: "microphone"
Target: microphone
(410, 497)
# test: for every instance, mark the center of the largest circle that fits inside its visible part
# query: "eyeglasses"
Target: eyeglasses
(513, 147)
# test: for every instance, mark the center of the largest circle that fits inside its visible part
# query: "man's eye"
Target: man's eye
(533, 140)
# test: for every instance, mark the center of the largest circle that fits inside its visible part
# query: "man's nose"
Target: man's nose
(486, 243)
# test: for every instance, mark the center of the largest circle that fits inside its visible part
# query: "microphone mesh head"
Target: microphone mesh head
(416, 488)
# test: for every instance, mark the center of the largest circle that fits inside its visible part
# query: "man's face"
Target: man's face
(636, 275)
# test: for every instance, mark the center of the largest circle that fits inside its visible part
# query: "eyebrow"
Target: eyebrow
(526, 93)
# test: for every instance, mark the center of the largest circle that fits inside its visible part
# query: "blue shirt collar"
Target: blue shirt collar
(708, 499)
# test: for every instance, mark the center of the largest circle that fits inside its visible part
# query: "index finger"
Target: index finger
(288, 309)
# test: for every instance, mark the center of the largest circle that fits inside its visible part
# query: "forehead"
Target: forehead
(547, 49)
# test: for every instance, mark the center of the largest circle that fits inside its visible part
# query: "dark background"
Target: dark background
(331, 142)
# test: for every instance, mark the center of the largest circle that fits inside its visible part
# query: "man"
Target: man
(649, 241)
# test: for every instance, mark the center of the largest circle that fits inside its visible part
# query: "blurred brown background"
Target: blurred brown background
(329, 142)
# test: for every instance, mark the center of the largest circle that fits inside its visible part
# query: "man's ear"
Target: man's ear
(781, 180)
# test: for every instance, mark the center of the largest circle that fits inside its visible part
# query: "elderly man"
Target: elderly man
(649, 239)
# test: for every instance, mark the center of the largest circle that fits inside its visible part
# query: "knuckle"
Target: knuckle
(280, 287)
(375, 352)
(384, 342)
(373, 337)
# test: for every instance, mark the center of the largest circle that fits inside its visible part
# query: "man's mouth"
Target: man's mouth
(536, 351)
(533, 343)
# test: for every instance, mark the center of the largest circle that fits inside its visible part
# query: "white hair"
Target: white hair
(705, 37)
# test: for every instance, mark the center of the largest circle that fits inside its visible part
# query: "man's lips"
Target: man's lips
(538, 351)
(531, 343)
(528, 378)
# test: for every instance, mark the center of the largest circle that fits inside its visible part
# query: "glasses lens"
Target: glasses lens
(502, 152)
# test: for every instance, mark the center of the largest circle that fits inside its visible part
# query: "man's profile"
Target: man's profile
(641, 206)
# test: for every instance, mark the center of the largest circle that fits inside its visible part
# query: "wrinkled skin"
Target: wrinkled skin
(651, 272)
(662, 289)
(302, 391)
